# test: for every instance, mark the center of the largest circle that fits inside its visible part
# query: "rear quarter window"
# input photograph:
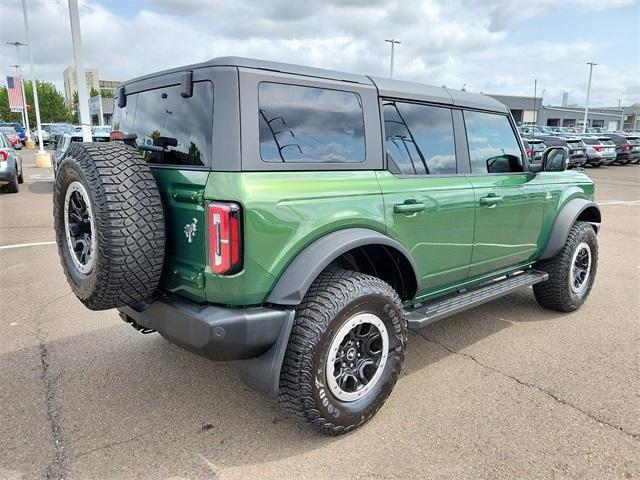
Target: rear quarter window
(310, 124)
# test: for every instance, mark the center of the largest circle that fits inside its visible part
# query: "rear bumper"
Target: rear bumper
(577, 160)
(214, 332)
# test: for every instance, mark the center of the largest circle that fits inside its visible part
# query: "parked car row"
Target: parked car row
(10, 164)
(592, 148)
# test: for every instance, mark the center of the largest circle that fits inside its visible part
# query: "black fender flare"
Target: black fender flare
(563, 223)
(293, 284)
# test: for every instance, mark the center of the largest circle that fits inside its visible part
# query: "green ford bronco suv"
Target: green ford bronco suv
(301, 220)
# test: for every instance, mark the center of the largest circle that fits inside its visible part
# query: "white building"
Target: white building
(92, 79)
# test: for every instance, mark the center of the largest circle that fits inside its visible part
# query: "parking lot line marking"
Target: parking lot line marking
(20, 245)
(629, 203)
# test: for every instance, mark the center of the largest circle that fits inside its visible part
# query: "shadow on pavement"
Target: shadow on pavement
(41, 187)
(137, 400)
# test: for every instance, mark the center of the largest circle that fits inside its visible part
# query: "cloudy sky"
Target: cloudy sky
(493, 46)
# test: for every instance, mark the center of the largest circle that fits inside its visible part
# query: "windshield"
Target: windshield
(102, 130)
(7, 130)
(63, 128)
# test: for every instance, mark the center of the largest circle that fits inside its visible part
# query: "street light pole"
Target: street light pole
(393, 43)
(83, 99)
(586, 104)
(34, 82)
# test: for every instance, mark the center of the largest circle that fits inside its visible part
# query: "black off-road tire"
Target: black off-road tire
(12, 186)
(333, 299)
(129, 224)
(556, 293)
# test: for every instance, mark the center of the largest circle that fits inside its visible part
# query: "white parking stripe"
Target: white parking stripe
(629, 203)
(20, 245)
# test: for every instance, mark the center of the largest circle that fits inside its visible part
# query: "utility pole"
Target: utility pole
(34, 84)
(83, 98)
(586, 104)
(393, 43)
(621, 114)
(535, 102)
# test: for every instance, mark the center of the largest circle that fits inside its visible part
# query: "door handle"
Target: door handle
(491, 200)
(406, 207)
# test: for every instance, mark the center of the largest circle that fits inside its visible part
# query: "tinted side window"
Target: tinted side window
(493, 147)
(171, 129)
(309, 124)
(419, 138)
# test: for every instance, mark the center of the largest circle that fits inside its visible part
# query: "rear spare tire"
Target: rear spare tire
(109, 224)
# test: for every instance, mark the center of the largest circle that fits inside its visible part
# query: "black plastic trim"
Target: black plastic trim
(563, 223)
(214, 332)
(302, 271)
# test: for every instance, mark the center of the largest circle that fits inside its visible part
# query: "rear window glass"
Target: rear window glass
(591, 141)
(419, 138)
(171, 129)
(309, 124)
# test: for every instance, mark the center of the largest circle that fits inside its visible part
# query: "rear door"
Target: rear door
(174, 134)
(509, 201)
(428, 202)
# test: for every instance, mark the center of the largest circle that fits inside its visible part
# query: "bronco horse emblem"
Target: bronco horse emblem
(190, 230)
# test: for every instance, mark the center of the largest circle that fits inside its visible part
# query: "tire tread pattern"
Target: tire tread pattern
(555, 293)
(326, 297)
(129, 222)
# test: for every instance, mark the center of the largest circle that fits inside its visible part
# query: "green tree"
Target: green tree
(107, 93)
(52, 107)
(73, 115)
(94, 92)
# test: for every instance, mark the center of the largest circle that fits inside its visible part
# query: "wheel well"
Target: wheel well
(591, 215)
(384, 262)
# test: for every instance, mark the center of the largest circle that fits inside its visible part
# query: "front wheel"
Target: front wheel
(345, 352)
(571, 272)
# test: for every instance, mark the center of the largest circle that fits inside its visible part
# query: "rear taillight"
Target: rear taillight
(224, 238)
(625, 147)
(116, 135)
(529, 152)
(3, 156)
(597, 148)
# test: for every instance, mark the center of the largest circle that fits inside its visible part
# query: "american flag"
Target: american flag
(15, 93)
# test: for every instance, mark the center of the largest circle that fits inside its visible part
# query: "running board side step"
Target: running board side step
(432, 312)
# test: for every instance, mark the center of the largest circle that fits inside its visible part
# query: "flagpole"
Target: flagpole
(19, 75)
(25, 115)
(43, 159)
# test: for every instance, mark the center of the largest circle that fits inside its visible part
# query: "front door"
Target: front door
(509, 202)
(429, 207)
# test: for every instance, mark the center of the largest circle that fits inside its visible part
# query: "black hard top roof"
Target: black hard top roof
(387, 87)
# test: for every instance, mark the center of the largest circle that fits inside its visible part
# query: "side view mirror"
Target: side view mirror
(554, 159)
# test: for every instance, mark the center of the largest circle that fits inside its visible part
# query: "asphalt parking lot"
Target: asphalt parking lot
(507, 390)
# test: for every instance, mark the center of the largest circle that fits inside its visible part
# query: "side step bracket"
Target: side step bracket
(432, 312)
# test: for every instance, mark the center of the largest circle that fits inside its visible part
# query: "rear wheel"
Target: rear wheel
(345, 352)
(571, 272)
(12, 186)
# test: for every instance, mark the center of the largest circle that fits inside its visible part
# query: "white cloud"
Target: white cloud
(453, 43)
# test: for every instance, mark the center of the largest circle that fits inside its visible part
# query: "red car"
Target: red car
(13, 137)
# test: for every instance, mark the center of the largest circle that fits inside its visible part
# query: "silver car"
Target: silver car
(600, 150)
(10, 166)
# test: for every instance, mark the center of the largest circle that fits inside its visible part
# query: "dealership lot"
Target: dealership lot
(506, 390)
